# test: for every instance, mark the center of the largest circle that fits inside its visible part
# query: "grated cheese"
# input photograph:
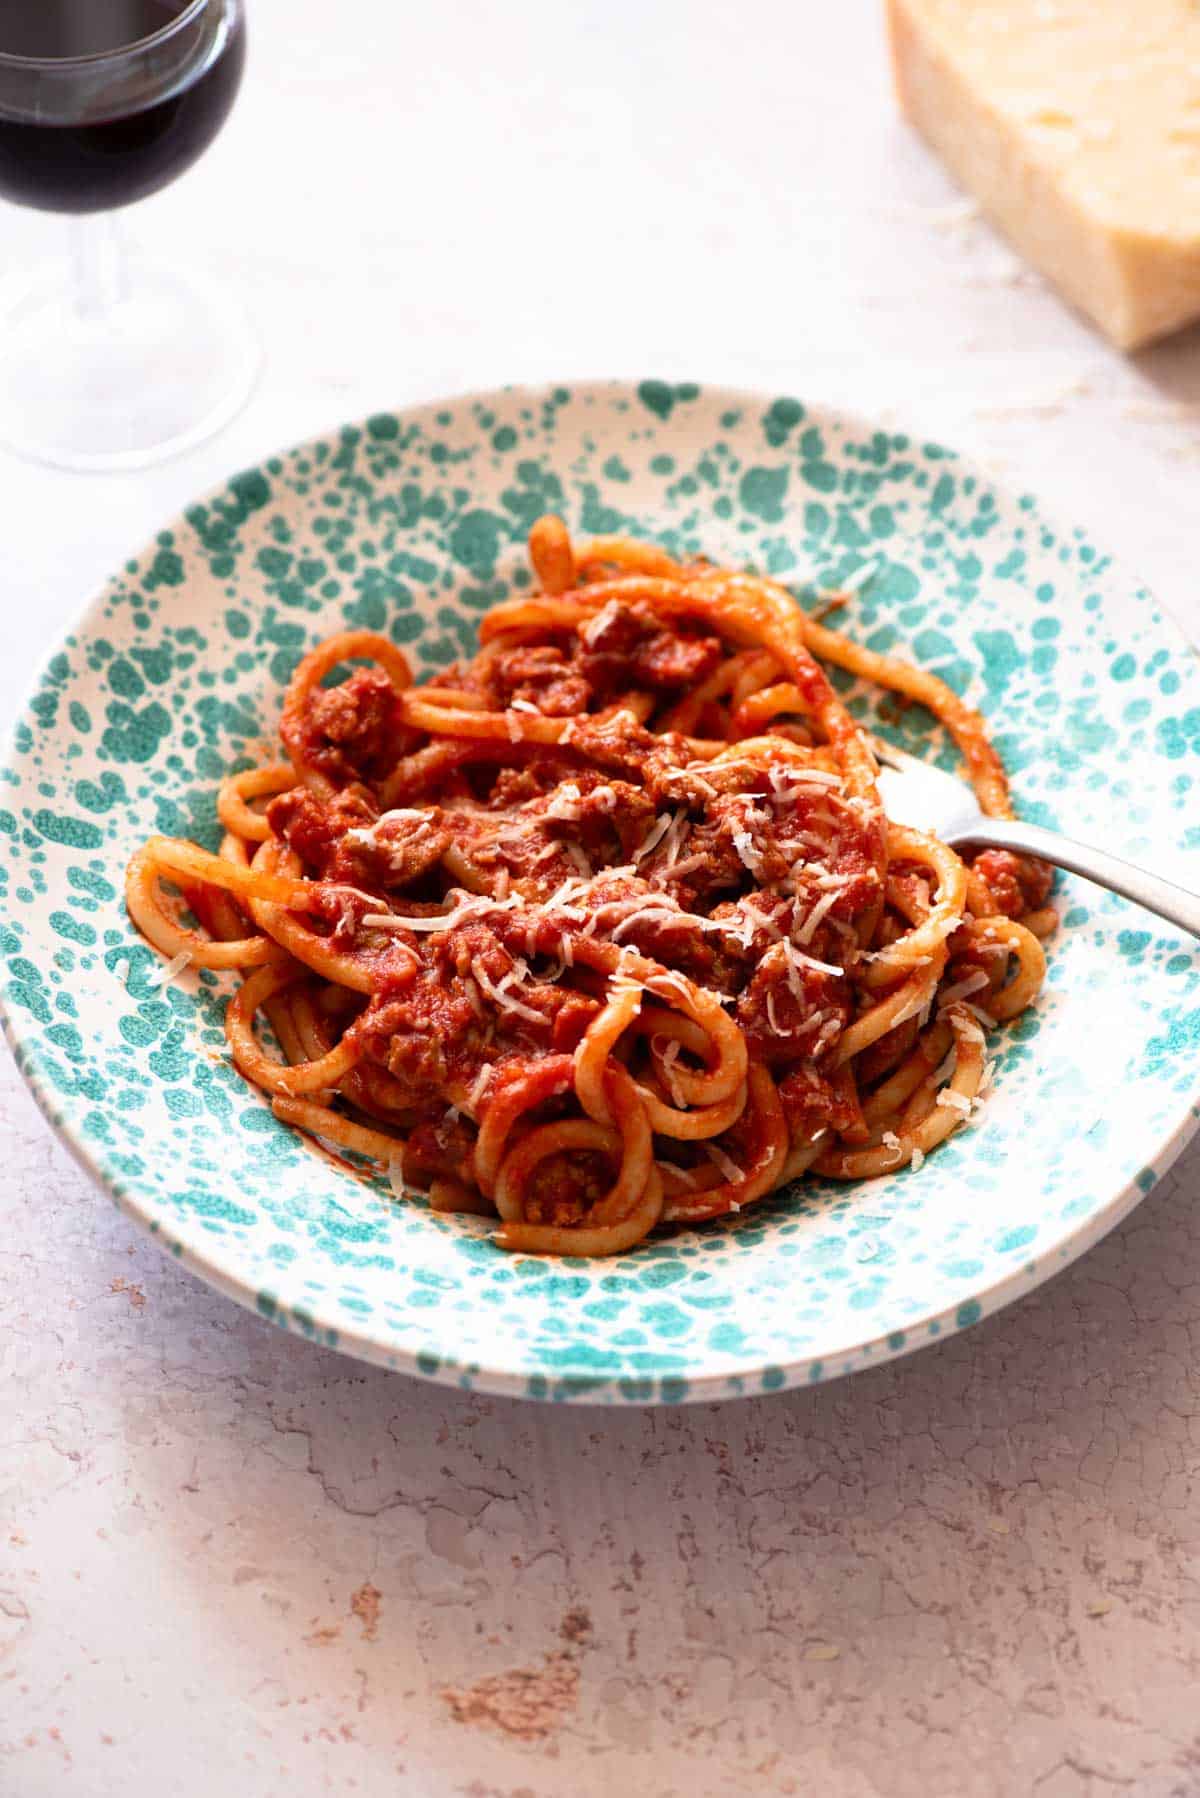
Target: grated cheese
(564, 806)
(673, 841)
(720, 1159)
(497, 990)
(952, 1101)
(623, 716)
(596, 627)
(677, 870)
(163, 976)
(854, 583)
(654, 835)
(677, 983)
(482, 1081)
(625, 983)
(798, 959)
(743, 842)
(971, 984)
(670, 1055)
(824, 903)
(648, 914)
(691, 771)
(469, 906)
(366, 834)
(749, 905)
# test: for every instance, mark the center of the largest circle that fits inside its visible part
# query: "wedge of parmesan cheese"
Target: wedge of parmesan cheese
(1076, 124)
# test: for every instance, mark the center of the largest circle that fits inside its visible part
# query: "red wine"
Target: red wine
(73, 150)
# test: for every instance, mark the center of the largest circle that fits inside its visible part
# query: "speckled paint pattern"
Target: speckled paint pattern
(415, 525)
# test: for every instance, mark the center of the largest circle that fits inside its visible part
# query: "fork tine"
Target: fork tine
(891, 757)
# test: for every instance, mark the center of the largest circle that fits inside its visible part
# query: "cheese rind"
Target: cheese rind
(1076, 124)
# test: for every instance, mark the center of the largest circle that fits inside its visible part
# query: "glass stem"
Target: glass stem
(97, 265)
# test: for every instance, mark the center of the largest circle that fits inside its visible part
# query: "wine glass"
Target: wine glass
(110, 361)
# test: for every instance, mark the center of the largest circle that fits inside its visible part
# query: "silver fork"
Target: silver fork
(924, 798)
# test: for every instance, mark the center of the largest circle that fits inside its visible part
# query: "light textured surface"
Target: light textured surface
(230, 1562)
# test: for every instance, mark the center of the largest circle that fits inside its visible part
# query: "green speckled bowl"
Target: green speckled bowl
(415, 525)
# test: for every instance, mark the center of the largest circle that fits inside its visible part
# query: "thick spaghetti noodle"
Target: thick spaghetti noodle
(605, 928)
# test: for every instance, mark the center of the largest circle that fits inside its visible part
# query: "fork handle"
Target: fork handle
(1174, 903)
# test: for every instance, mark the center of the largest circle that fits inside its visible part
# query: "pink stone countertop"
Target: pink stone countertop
(231, 1563)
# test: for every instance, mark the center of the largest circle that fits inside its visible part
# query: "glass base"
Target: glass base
(162, 366)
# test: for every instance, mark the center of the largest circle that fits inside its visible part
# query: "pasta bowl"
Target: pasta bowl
(413, 525)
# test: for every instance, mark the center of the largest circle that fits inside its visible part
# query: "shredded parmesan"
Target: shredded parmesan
(952, 1101)
(749, 906)
(673, 841)
(670, 1056)
(625, 983)
(720, 1159)
(686, 1174)
(524, 705)
(918, 1159)
(971, 984)
(396, 1176)
(366, 835)
(564, 806)
(621, 717)
(854, 583)
(169, 971)
(468, 906)
(482, 1081)
(824, 903)
(596, 627)
(646, 912)
(691, 771)
(743, 842)
(497, 990)
(792, 781)
(798, 959)
(677, 870)
(654, 835)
